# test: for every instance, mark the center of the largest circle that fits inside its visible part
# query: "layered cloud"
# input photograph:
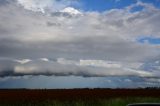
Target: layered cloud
(76, 42)
(64, 67)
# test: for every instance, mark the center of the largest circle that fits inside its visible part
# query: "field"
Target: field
(78, 97)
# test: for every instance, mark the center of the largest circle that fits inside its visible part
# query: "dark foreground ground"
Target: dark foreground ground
(81, 97)
(74, 94)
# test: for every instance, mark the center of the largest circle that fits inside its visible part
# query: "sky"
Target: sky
(79, 43)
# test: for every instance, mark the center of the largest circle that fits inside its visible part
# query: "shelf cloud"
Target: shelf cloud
(64, 67)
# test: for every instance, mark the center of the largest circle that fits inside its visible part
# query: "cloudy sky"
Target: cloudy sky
(79, 43)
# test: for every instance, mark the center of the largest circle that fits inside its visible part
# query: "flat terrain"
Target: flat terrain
(77, 97)
(74, 94)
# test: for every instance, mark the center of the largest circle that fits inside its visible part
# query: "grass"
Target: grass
(102, 102)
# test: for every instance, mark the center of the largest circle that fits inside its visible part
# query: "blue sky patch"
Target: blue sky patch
(149, 40)
(103, 5)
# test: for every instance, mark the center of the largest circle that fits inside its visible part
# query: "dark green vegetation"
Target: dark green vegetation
(103, 102)
(78, 97)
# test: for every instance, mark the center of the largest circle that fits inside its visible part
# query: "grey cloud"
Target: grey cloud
(48, 68)
(50, 24)
(151, 66)
(63, 14)
(5, 2)
(83, 48)
(94, 36)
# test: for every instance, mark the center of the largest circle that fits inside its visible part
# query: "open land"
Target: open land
(77, 97)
